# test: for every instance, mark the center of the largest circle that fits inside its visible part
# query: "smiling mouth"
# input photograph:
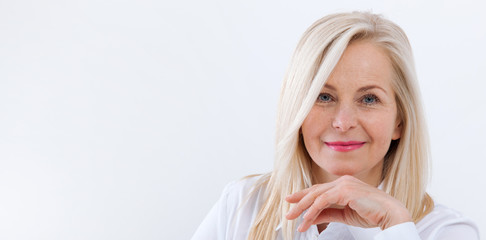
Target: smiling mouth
(344, 146)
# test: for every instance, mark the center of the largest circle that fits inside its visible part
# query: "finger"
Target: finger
(332, 198)
(308, 220)
(330, 215)
(319, 204)
(302, 205)
(336, 198)
(306, 201)
(304, 225)
(296, 197)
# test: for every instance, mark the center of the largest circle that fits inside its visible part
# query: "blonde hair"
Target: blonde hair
(320, 48)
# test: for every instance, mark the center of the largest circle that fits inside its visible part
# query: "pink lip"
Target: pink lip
(344, 146)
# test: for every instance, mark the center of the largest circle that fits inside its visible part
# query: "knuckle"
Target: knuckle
(308, 216)
(346, 188)
(321, 199)
(299, 206)
(347, 178)
(312, 195)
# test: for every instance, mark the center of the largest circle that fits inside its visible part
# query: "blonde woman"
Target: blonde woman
(351, 151)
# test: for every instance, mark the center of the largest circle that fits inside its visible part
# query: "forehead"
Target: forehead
(362, 63)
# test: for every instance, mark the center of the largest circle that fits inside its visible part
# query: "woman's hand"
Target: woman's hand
(349, 201)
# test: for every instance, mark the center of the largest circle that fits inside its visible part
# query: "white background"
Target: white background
(125, 119)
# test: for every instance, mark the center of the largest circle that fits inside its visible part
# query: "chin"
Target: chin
(341, 170)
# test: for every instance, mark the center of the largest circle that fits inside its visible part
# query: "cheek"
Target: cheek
(308, 131)
(381, 129)
(313, 128)
(314, 124)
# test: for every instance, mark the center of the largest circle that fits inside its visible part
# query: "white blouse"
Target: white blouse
(228, 220)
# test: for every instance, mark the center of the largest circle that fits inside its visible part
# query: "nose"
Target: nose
(345, 118)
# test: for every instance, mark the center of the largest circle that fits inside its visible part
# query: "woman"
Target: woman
(351, 150)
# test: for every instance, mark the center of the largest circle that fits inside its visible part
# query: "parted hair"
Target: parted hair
(405, 168)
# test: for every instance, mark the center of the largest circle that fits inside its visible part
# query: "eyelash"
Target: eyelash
(324, 94)
(376, 99)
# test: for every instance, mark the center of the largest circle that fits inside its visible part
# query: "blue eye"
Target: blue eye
(324, 97)
(370, 99)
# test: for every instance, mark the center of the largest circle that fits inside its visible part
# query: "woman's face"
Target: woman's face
(351, 125)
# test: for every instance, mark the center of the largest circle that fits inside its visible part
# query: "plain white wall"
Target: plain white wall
(125, 119)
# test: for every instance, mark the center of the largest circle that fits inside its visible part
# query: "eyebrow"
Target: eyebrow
(362, 89)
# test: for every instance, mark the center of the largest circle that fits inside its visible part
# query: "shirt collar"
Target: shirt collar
(343, 231)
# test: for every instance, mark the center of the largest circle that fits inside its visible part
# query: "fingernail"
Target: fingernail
(289, 214)
(299, 228)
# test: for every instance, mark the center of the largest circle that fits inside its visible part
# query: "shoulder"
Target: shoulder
(242, 190)
(443, 220)
(243, 199)
(233, 213)
(443, 215)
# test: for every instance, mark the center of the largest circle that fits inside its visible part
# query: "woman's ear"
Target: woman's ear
(397, 132)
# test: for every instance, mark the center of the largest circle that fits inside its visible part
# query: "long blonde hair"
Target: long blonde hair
(320, 48)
